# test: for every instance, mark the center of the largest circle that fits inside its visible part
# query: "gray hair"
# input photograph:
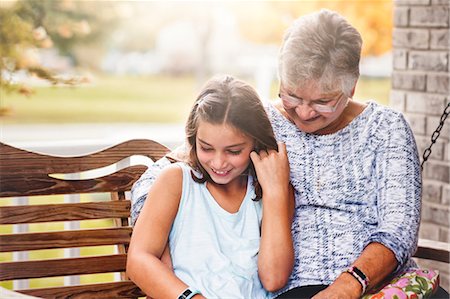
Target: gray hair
(321, 47)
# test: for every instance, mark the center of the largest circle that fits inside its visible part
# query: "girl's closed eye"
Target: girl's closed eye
(206, 149)
(235, 152)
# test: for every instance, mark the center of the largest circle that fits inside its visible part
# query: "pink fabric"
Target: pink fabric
(414, 284)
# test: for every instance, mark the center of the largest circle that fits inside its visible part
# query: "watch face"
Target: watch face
(185, 294)
(359, 272)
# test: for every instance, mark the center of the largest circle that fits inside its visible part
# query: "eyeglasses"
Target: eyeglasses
(321, 106)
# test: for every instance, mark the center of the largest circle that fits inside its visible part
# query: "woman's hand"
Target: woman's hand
(344, 287)
(272, 169)
(376, 261)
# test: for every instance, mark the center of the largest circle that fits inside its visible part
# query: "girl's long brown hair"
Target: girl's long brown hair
(226, 100)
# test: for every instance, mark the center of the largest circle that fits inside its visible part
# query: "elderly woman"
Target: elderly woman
(354, 167)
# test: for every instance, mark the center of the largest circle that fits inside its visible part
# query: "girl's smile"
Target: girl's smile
(220, 173)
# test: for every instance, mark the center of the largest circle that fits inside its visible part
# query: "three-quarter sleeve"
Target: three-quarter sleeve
(399, 189)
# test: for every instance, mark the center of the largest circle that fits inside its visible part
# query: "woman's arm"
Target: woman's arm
(150, 236)
(376, 261)
(276, 253)
(392, 244)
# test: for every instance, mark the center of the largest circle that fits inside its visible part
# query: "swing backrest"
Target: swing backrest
(39, 178)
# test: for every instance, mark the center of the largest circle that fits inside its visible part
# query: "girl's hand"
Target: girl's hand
(272, 169)
(276, 252)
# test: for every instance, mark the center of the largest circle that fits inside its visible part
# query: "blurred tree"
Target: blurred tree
(372, 18)
(27, 26)
(79, 29)
(18, 38)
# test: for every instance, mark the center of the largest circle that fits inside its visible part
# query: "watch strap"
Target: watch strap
(360, 277)
(188, 293)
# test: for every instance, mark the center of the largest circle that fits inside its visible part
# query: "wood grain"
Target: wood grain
(120, 289)
(24, 173)
(38, 184)
(64, 212)
(19, 161)
(433, 250)
(65, 239)
(61, 267)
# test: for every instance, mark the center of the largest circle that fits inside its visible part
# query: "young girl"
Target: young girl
(228, 229)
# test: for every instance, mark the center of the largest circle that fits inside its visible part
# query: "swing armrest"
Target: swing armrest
(433, 250)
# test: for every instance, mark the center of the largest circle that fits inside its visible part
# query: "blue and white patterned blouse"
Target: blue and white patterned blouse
(359, 185)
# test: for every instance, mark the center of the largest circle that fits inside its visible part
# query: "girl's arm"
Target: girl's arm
(150, 236)
(139, 190)
(166, 259)
(276, 254)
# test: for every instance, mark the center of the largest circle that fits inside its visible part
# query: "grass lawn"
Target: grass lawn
(107, 99)
(110, 99)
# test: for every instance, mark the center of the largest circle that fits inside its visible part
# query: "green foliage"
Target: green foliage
(15, 37)
(30, 25)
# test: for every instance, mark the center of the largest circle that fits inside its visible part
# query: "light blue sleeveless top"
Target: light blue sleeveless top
(213, 250)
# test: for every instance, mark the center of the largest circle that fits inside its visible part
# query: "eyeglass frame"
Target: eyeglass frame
(321, 108)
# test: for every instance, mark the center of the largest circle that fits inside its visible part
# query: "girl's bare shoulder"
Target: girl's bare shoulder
(170, 180)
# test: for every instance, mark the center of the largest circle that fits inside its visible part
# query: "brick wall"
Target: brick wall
(421, 90)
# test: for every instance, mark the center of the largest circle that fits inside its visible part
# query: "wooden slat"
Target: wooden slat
(33, 184)
(433, 250)
(62, 267)
(120, 289)
(120, 222)
(64, 212)
(24, 173)
(15, 161)
(65, 239)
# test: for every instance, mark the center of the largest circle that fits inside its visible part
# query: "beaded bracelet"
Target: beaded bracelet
(360, 277)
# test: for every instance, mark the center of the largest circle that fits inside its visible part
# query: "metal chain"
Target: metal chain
(436, 134)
